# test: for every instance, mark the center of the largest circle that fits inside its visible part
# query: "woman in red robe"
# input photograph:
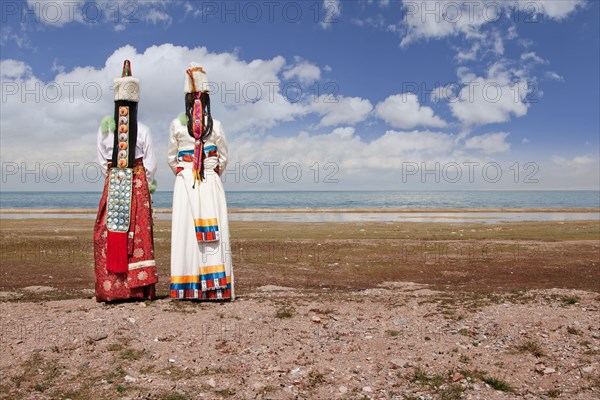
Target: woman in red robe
(123, 237)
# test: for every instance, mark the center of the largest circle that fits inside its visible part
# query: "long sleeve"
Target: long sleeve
(172, 148)
(149, 156)
(221, 145)
(101, 151)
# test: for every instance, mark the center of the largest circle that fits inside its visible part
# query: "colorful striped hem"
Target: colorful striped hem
(220, 294)
(209, 278)
(206, 229)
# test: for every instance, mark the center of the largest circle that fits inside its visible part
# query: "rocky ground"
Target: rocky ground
(399, 340)
(324, 311)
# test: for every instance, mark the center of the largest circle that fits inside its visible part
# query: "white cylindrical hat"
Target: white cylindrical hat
(195, 79)
(127, 87)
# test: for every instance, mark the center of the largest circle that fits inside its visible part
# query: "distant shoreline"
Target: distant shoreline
(320, 210)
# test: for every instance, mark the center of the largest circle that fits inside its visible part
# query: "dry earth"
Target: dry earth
(325, 311)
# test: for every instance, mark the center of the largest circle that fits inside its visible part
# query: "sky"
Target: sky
(314, 95)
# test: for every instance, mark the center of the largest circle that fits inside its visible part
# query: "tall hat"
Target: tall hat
(195, 79)
(199, 119)
(127, 87)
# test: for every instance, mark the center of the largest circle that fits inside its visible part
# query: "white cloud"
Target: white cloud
(554, 76)
(13, 69)
(347, 150)
(469, 54)
(533, 57)
(119, 13)
(61, 104)
(345, 132)
(341, 110)
(444, 92)
(491, 99)
(331, 12)
(56, 67)
(161, 72)
(304, 71)
(20, 39)
(489, 143)
(557, 10)
(404, 111)
(157, 16)
(443, 18)
(584, 161)
(435, 20)
(57, 13)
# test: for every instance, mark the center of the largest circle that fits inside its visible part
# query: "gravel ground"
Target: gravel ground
(399, 340)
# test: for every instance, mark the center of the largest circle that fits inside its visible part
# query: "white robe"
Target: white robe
(194, 264)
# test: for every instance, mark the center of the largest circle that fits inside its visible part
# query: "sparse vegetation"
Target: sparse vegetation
(284, 312)
(497, 384)
(226, 392)
(532, 347)
(168, 395)
(421, 377)
(315, 378)
(453, 392)
(114, 347)
(569, 300)
(553, 393)
(131, 354)
(573, 331)
(176, 373)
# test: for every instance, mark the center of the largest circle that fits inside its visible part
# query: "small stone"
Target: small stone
(132, 320)
(540, 367)
(258, 387)
(596, 335)
(315, 319)
(587, 370)
(367, 389)
(97, 336)
(398, 363)
(19, 341)
(457, 377)
(549, 371)
(211, 382)
(476, 387)
(143, 304)
(368, 337)
(130, 379)
(172, 360)
(343, 389)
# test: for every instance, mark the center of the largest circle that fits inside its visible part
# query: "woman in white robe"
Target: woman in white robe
(201, 266)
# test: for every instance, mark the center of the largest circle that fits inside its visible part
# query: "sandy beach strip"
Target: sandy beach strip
(320, 210)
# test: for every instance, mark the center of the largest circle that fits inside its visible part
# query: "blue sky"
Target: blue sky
(403, 84)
